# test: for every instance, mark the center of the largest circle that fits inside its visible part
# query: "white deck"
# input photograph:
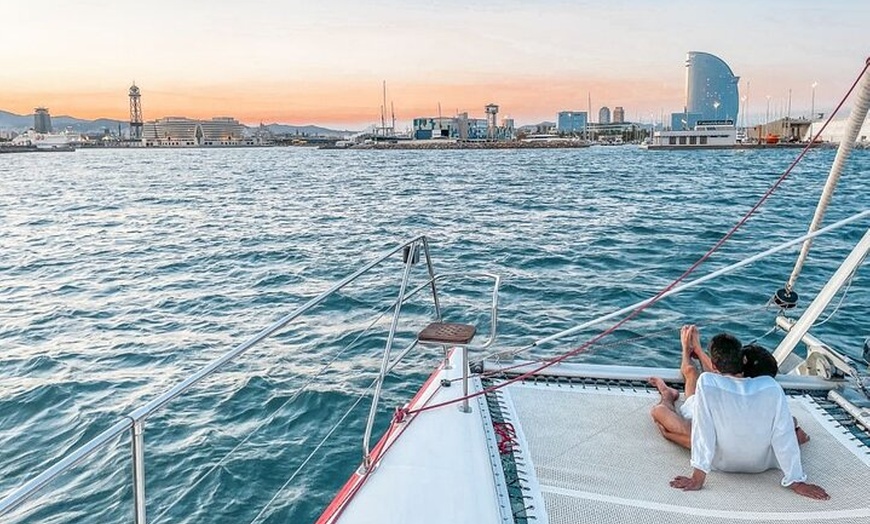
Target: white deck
(439, 470)
(590, 454)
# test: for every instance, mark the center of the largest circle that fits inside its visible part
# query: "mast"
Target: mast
(588, 108)
(384, 111)
(787, 297)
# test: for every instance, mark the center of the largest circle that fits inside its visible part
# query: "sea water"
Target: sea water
(124, 271)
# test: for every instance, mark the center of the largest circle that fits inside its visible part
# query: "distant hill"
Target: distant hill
(309, 130)
(13, 122)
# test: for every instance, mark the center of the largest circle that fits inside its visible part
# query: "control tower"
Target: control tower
(135, 113)
(491, 120)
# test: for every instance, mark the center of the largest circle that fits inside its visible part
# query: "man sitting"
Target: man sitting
(742, 425)
(675, 423)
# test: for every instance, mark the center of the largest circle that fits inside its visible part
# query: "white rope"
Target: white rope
(313, 452)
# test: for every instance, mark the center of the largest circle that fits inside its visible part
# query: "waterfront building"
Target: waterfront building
(618, 115)
(711, 87)
(41, 120)
(184, 132)
(782, 130)
(685, 120)
(463, 127)
(835, 131)
(609, 132)
(427, 128)
(604, 115)
(572, 121)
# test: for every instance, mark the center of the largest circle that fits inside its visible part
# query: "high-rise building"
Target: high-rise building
(711, 87)
(571, 121)
(604, 115)
(41, 120)
(618, 115)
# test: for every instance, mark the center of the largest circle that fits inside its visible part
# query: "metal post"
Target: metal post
(464, 407)
(817, 306)
(385, 362)
(431, 270)
(138, 472)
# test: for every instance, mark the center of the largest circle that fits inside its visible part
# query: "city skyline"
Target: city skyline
(299, 63)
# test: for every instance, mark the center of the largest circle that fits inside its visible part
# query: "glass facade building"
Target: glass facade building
(711, 87)
(571, 121)
(41, 120)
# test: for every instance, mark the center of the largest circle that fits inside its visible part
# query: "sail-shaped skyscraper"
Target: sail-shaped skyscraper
(711, 88)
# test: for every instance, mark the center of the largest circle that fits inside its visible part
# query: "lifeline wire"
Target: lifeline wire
(313, 452)
(271, 418)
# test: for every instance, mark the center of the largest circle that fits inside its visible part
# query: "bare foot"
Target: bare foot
(802, 436)
(668, 394)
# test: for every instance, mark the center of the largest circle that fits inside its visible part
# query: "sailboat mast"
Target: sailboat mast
(384, 110)
(847, 144)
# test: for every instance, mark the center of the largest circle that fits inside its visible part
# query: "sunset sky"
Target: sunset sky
(323, 62)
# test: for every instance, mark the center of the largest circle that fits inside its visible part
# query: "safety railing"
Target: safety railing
(387, 364)
(134, 422)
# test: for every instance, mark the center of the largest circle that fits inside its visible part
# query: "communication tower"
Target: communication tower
(491, 119)
(135, 113)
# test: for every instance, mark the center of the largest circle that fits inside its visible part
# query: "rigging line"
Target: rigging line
(649, 335)
(840, 303)
(313, 452)
(634, 313)
(271, 417)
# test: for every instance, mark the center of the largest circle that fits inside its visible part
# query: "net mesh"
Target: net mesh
(598, 458)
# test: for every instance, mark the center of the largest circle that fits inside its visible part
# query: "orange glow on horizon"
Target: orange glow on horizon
(358, 103)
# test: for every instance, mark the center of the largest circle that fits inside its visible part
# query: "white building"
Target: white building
(176, 131)
(836, 130)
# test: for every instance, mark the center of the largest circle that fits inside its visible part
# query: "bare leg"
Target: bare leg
(687, 367)
(671, 424)
(692, 337)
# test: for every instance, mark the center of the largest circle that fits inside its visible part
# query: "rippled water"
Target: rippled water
(121, 272)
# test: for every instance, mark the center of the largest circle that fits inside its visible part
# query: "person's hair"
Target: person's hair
(726, 352)
(758, 362)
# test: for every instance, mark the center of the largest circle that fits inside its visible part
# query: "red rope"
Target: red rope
(507, 436)
(550, 362)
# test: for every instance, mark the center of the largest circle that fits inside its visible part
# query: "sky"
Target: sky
(324, 62)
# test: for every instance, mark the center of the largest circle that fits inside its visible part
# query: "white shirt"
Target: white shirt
(743, 425)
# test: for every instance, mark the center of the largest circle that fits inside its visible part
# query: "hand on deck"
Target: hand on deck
(693, 483)
(810, 490)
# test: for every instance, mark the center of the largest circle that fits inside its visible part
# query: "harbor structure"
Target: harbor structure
(618, 115)
(135, 113)
(572, 121)
(781, 130)
(491, 120)
(41, 120)
(177, 131)
(604, 115)
(464, 127)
